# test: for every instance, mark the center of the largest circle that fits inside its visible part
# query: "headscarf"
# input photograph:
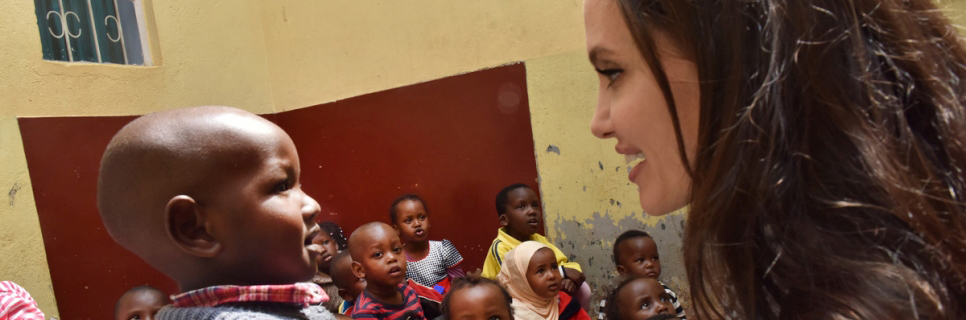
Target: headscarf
(513, 277)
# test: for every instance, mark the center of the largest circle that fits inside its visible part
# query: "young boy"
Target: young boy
(519, 210)
(377, 256)
(635, 255)
(476, 298)
(348, 284)
(640, 299)
(141, 302)
(211, 197)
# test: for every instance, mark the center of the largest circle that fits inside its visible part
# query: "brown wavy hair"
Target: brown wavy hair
(828, 180)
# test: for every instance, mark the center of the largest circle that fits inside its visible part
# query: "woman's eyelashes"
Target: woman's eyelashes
(611, 74)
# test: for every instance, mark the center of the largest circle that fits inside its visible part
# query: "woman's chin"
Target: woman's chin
(659, 204)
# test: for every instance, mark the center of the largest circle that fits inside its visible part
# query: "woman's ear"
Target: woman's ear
(186, 225)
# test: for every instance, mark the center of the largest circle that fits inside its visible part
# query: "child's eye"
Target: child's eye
(377, 254)
(326, 242)
(639, 260)
(396, 250)
(421, 218)
(494, 318)
(408, 220)
(282, 186)
(646, 305)
(553, 266)
(656, 258)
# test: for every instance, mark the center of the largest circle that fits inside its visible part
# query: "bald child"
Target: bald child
(377, 256)
(211, 197)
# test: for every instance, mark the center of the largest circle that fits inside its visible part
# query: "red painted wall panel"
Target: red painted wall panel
(89, 271)
(454, 141)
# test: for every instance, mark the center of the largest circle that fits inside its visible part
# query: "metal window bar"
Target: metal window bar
(112, 48)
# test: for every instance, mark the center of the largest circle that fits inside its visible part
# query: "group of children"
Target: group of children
(211, 197)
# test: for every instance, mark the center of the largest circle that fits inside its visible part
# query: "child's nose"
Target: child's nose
(310, 207)
(662, 308)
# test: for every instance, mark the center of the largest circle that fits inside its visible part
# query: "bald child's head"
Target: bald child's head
(377, 255)
(209, 196)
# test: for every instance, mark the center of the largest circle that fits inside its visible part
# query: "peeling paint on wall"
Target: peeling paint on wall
(590, 242)
(12, 194)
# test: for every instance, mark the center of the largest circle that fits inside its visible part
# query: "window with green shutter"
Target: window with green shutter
(99, 31)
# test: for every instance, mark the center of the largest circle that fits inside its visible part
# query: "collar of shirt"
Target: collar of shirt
(302, 293)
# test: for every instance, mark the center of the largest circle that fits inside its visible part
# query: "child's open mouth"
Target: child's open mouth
(395, 271)
(419, 232)
(532, 223)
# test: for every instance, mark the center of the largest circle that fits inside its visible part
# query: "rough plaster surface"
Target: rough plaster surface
(592, 248)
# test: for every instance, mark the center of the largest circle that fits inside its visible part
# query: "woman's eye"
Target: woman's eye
(611, 74)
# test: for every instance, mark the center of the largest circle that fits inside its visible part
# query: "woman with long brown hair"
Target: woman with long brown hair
(819, 144)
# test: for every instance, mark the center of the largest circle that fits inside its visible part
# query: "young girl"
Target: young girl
(531, 275)
(430, 263)
(332, 241)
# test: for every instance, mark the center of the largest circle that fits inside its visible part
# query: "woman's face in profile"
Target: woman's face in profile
(632, 109)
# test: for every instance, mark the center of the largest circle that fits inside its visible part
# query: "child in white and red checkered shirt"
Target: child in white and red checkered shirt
(211, 197)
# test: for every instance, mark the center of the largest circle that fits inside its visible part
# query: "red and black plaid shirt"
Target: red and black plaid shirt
(303, 293)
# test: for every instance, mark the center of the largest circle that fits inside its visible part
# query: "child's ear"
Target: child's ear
(185, 224)
(503, 220)
(357, 270)
(621, 270)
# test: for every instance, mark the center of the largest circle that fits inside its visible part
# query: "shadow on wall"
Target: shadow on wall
(455, 141)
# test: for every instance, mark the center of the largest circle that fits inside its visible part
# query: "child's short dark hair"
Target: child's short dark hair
(629, 234)
(611, 309)
(336, 233)
(501, 197)
(117, 305)
(405, 197)
(336, 273)
(470, 281)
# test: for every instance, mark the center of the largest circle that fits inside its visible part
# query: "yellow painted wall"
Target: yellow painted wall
(211, 52)
(276, 55)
